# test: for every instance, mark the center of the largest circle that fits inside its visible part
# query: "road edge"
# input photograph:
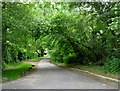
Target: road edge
(101, 76)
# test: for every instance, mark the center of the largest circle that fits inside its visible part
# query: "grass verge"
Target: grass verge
(16, 71)
(94, 69)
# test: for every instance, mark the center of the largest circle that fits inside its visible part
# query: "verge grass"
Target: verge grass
(16, 71)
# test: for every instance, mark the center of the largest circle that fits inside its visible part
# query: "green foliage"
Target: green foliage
(11, 53)
(84, 33)
(18, 25)
(112, 65)
(31, 54)
(69, 59)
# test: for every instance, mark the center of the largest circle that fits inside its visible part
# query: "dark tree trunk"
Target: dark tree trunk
(39, 55)
(42, 52)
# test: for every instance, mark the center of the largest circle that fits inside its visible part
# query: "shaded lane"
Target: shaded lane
(50, 76)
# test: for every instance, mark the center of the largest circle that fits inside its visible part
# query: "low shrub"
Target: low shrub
(111, 65)
(69, 58)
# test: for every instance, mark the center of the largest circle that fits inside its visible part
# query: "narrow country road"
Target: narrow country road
(50, 76)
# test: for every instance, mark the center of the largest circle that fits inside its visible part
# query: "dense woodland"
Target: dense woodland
(86, 33)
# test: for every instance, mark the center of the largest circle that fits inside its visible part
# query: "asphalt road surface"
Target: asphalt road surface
(50, 76)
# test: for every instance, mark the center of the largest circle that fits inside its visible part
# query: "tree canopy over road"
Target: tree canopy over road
(72, 32)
